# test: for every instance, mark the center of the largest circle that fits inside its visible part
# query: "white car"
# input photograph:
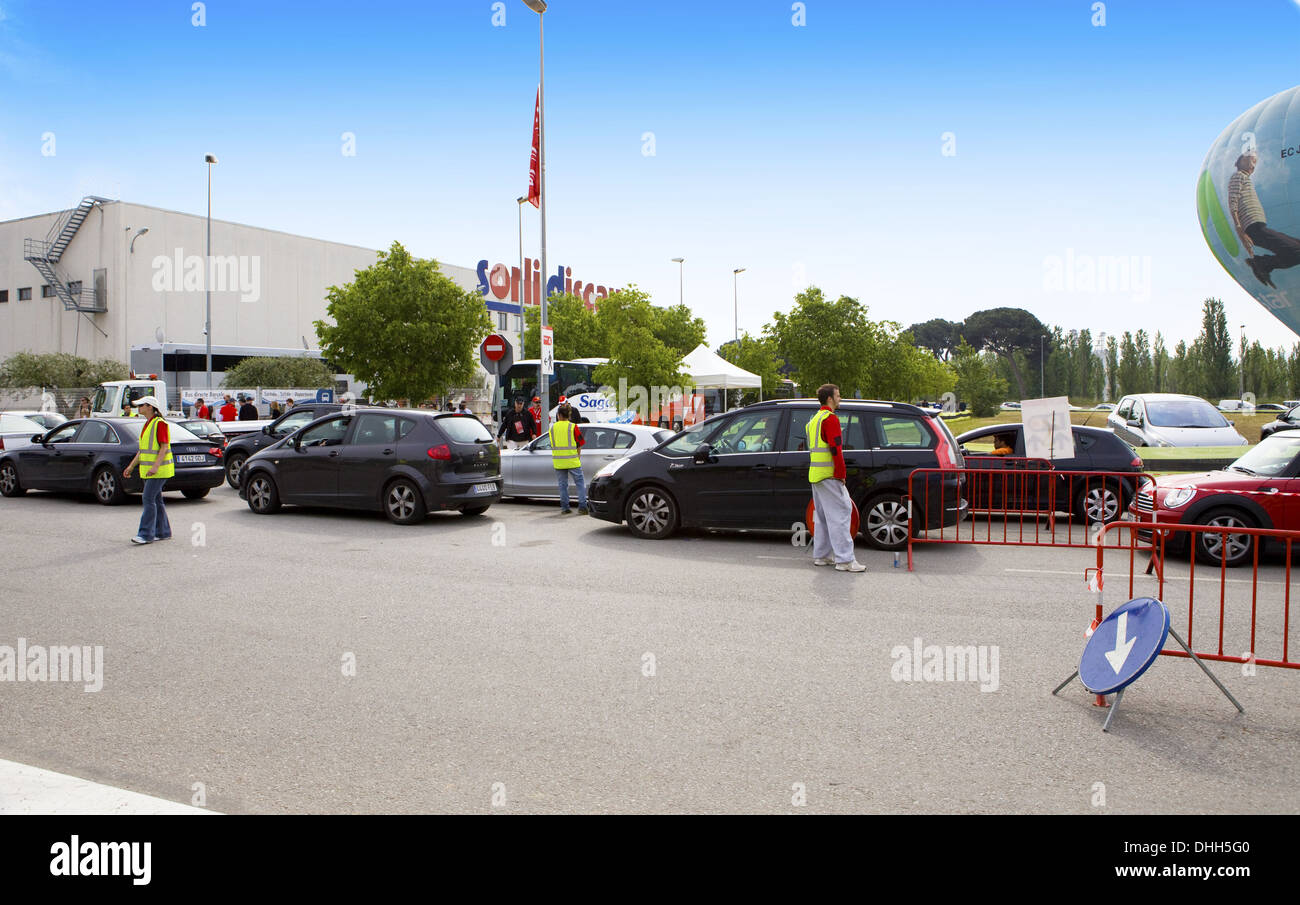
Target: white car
(17, 431)
(47, 420)
(528, 472)
(1170, 419)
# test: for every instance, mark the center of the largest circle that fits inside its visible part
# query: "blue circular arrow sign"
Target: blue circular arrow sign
(1124, 645)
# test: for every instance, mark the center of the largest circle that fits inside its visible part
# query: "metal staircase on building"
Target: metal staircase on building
(44, 255)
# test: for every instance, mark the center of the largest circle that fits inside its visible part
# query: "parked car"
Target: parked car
(207, 430)
(528, 472)
(1095, 449)
(239, 448)
(88, 456)
(1270, 407)
(17, 431)
(1011, 406)
(1289, 420)
(1169, 419)
(402, 462)
(1245, 406)
(749, 469)
(1104, 407)
(46, 420)
(1248, 493)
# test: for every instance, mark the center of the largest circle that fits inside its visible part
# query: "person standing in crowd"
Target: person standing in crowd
(228, 412)
(464, 408)
(536, 411)
(566, 445)
(202, 410)
(83, 408)
(832, 506)
(248, 411)
(276, 411)
(155, 460)
(288, 404)
(517, 426)
(127, 411)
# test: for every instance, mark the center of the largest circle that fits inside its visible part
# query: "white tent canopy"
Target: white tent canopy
(709, 370)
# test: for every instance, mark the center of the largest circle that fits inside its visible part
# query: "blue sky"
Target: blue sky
(806, 154)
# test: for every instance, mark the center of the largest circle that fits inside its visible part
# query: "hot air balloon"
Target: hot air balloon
(1248, 200)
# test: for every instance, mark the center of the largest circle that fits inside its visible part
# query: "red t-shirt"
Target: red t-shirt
(577, 435)
(228, 412)
(834, 438)
(204, 412)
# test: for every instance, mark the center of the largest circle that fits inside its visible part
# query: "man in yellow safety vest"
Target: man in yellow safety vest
(156, 466)
(832, 506)
(566, 441)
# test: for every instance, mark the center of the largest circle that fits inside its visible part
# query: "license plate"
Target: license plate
(485, 488)
(199, 459)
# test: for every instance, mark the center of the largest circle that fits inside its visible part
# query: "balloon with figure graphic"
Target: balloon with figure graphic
(1248, 200)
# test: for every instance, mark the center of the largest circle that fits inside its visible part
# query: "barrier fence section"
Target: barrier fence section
(1157, 545)
(1037, 505)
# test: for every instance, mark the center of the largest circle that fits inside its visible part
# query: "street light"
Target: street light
(1242, 368)
(1041, 383)
(138, 234)
(209, 159)
(523, 321)
(681, 279)
(735, 296)
(543, 384)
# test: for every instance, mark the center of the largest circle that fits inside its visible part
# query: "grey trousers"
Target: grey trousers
(832, 520)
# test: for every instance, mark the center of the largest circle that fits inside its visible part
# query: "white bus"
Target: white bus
(184, 365)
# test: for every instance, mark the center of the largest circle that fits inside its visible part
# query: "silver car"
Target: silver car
(1171, 419)
(528, 472)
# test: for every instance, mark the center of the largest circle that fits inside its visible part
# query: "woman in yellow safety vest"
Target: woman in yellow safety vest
(155, 460)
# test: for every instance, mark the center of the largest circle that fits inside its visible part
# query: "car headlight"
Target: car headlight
(1179, 496)
(611, 468)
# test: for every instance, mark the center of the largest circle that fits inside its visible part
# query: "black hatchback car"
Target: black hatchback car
(87, 456)
(402, 462)
(749, 469)
(239, 449)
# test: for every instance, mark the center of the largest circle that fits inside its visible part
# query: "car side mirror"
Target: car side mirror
(37, 438)
(267, 430)
(1134, 422)
(704, 454)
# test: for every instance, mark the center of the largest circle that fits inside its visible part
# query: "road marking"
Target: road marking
(31, 790)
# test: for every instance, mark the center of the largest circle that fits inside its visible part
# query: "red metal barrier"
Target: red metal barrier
(1038, 506)
(1161, 535)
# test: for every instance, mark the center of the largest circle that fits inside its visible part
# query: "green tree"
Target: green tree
(636, 352)
(404, 328)
(1217, 377)
(1127, 378)
(578, 330)
(279, 372)
(1004, 331)
(824, 341)
(757, 355)
(1160, 365)
(977, 384)
(678, 329)
(1112, 369)
(58, 369)
(937, 336)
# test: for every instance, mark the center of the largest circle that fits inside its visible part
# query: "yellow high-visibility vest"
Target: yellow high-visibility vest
(149, 452)
(564, 446)
(822, 463)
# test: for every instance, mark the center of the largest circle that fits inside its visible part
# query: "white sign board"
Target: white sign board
(548, 350)
(1047, 428)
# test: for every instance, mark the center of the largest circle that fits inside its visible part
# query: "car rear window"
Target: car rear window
(903, 432)
(464, 429)
(853, 428)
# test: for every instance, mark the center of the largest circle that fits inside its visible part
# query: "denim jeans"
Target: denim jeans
(153, 517)
(562, 478)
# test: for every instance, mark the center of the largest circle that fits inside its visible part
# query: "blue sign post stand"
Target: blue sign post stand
(1124, 645)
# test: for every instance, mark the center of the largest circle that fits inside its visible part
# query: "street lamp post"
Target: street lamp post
(543, 384)
(735, 299)
(1041, 380)
(209, 159)
(681, 279)
(523, 321)
(1242, 366)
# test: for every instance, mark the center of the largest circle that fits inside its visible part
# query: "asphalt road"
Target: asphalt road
(525, 661)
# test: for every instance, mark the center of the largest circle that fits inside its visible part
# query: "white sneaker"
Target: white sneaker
(823, 561)
(138, 540)
(853, 566)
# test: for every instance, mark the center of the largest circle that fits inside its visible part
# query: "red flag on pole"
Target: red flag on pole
(534, 177)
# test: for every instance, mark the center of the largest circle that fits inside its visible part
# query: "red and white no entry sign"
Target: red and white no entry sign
(494, 347)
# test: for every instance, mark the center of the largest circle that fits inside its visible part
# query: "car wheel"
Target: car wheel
(233, 465)
(1099, 501)
(651, 513)
(474, 510)
(1235, 548)
(9, 485)
(108, 486)
(263, 497)
(885, 524)
(403, 503)
(196, 493)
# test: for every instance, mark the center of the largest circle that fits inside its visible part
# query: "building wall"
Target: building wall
(147, 290)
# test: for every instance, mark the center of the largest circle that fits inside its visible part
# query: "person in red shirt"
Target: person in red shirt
(832, 505)
(536, 411)
(228, 411)
(202, 409)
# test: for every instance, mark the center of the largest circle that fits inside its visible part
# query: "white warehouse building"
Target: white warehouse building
(109, 276)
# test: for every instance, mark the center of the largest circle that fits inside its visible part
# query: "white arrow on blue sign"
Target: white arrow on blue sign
(1124, 645)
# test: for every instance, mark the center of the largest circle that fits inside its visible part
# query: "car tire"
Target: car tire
(1239, 546)
(233, 465)
(403, 503)
(884, 522)
(196, 493)
(107, 485)
(475, 510)
(9, 484)
(263, 495)
(651, 513)
(1099, 501)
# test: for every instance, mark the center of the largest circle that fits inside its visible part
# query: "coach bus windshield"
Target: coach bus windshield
(569, 379)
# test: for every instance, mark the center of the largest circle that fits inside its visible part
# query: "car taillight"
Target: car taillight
(214, 451)
(1137, 462)
(2, 444)
(440, 452)
(944, 451)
